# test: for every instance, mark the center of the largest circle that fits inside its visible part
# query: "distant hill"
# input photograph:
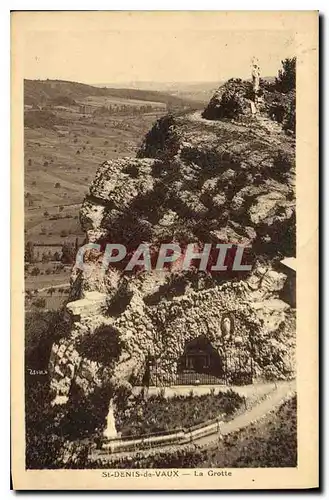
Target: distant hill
(195, 91)
(42, 92)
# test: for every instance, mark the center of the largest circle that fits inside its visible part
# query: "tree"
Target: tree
(286, 80)
(35, 271)
(68, 253)
(45, 257)
(29, 252)
(57, 256)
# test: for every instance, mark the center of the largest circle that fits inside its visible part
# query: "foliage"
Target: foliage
(161, 141)
(280, 96)
(271, 443)
(40, 302)
(160, 414)
(286, 80)
(35, 271)
(68, 253)
(29, 252)
(42, 119)
(104, 346)
(282, 165)
(42, 329)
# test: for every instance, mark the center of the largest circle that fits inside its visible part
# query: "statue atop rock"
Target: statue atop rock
(255, 74)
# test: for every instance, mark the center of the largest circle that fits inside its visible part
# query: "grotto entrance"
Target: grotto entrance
(200, 362)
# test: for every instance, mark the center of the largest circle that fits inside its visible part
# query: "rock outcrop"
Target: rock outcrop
(193, 180)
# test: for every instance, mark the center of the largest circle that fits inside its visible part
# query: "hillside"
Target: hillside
(44, 92)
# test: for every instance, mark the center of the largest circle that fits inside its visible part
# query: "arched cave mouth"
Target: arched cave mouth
(200, 357)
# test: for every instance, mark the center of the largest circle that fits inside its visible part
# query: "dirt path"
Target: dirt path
(60, 285)
(66, 285)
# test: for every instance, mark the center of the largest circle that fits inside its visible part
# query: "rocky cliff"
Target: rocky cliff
(194, 180)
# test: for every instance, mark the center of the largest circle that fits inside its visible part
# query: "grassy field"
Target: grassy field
(61, 163)
(63, 149)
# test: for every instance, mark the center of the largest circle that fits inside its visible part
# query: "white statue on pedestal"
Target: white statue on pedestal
(110, 431)
(255, 74)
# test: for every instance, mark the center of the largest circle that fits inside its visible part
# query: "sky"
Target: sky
(157, 52)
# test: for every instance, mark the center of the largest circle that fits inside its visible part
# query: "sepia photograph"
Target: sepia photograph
(159, 198)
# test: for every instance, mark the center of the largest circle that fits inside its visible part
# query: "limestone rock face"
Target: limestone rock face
(193, 180)
(231, 100)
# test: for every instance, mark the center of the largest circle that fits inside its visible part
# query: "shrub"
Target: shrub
(57, 185)
(42, 119)
(283, 163)
(286, 80)
(40, 302)
(159, 414)
(35, 271)
(104, 346)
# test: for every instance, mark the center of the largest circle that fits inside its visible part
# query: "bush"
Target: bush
(159, 414)
(283, 164)
(57, 185)
(42, 328)
(35, 271)
(42, 119)
(286, 80)
(104, 346)
(40, 302)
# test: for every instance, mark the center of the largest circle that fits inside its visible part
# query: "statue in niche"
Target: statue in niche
(227, 327)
